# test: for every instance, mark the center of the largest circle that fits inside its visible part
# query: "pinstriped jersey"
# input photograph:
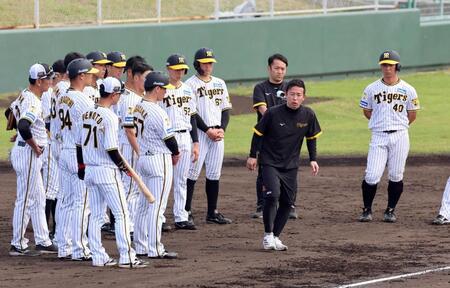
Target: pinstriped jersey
(98, 135)
(179, 104)
(29, 107)
(71, 105)
(92, 92)
(389, 104)
(211, 98)
(152, 127)
(55, 124)
(125, 110)
(46, 104)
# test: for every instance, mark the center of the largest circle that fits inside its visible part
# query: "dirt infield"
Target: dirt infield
(327, 247)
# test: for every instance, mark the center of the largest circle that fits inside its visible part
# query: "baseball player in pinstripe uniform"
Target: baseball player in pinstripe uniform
(179, 103)
(99, 162)
(26, 161)
(444, 212)
(50, 171)
(391, 105)
(72, 222)
(134, 90)
(213, 105)
(99, 61)
(158, 151)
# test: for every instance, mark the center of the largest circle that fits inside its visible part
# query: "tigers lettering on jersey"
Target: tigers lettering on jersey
(179, 105)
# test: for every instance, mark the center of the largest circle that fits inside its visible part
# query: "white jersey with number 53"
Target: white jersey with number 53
(389, 105)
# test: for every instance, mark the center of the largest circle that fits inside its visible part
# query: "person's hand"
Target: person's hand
(212, 133)
(251, 163)
(175, 158)
(38, 150)
(220, 134)
(13, 138)
(314, 168)
(195, 151)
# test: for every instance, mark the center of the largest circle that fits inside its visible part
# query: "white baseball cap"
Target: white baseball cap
(113, 85)
(40, 71)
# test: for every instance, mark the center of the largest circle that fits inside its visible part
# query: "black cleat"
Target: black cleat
(293, 214)
(14, 251)
(389, 215)
(258, 213)
(217, 218)
(51, 249)
(165, 255)
(186, 225)
(366, 215)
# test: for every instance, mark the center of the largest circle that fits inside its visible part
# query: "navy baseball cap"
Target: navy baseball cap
(389, 57)
(118, 59)
(157, 78)
(79, 66)
(205, 55)
(59, 66)
(98, 57)
(177, 62)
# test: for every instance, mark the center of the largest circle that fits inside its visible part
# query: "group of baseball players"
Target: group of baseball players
(82, 132)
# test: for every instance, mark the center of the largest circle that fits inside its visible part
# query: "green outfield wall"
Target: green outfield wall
(315, 45)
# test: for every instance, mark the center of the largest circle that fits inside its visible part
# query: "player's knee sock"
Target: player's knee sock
(259, 190)
(395, 190)
(269, 212)
(190, 185)
(54, 215)
(212, 194)
(281, 218)
(112, 220)
(48, 209)
(368, 193)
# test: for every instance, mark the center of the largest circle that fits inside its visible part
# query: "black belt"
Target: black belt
(390, 131)
(181, 131)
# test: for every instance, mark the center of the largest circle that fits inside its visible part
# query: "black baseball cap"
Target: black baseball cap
(40, 71)
(118, 59)
(157, 78)
(98, 57)
(177, 62)
(389, 57)
(205, 55)
(79, 66)
(59, 66)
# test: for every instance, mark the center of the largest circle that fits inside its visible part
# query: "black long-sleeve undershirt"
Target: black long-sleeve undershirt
(312, 149)
(194, 132)
(200, 123)
(225, 119)
(172, 144)
(24, 128)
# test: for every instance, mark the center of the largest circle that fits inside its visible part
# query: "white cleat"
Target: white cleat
(269, 242)
(279, 246)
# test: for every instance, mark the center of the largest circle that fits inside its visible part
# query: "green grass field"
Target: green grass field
(344, 126)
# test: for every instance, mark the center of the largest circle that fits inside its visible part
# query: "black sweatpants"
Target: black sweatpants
(281, 190)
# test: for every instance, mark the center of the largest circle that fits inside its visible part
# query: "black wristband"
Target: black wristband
(172, 144)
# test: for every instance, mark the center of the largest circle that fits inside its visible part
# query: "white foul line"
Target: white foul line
(395, 277)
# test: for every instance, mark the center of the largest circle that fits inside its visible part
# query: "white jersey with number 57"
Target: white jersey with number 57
(389, 105)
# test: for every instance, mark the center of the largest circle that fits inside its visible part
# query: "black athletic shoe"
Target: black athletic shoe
(293, 214)
(186, 225)
(258, 213)
(389, 215)
(83, 259)
(14, 251)
(166, 227)
(366, 215)
(217, 218)
(51, 249)
(190, 217)
(165, 255)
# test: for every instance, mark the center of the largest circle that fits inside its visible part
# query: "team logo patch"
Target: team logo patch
(130, 110)
(129, 119)
(386, 55)
(302, 125)
(415, 102)
(187, 92)
(217, 85)
(209, 53)
(402, 91)
(30, 116)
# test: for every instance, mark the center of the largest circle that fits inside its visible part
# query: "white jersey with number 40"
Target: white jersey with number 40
(389, 105)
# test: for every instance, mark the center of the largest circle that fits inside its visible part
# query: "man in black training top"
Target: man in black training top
(278, 138)
(266, 94)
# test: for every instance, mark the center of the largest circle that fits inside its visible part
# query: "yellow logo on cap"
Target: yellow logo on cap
(386, 55)
(122, 57)
(209, 54)
(180, 60)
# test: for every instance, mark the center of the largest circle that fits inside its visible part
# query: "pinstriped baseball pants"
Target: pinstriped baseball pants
(50, 173)
(389, 149)
(211, 153)
(30, 201)
(445, 204)
(131, 188)
(157, 172)
(106, 188)
(180, 173)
